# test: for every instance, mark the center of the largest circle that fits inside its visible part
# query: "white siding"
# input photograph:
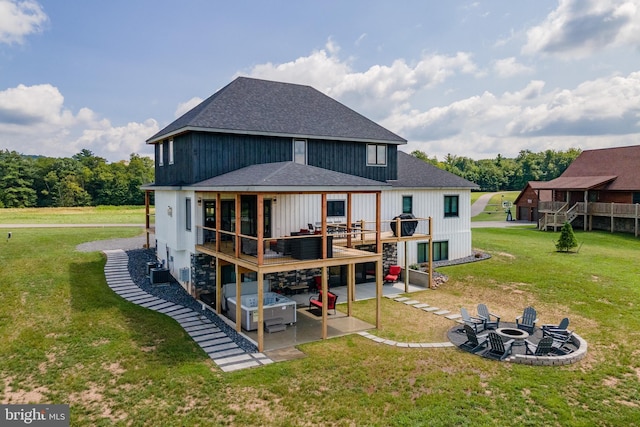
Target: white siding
(430, 203)
(174, 242)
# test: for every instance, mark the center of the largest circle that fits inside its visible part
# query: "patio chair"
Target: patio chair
(474, 322)
(394, 273)
(474, 341)
(498, 348)
(527, 322)
(560, 328)
(543, 348)
(560, 341)
(483, 313)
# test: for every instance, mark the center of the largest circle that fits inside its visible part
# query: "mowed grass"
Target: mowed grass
(79, 215)
(494, 210)
(67, 338)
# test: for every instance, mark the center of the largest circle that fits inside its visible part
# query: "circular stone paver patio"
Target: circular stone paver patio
(518, 352)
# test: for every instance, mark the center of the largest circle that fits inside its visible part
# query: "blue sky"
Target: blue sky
(468, 78)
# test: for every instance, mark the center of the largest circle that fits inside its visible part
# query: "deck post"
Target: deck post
(351, 282)
(147, 222)
(218, 286)
(325, 299)
(430, 278)
(586, 201)
(238, 299)
(260, 309)
(406, 266)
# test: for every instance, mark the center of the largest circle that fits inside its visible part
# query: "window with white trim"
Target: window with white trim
(300, 151)
(171, 151)
(440, 251)
(451, 206)
(376, 155)
(335, 208)
(161, 154)
(407, 204)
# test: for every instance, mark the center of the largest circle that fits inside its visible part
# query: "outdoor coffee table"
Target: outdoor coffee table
(518, 335)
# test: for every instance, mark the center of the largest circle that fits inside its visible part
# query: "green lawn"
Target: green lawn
(67, 338)
(494, 210)
(80, 215)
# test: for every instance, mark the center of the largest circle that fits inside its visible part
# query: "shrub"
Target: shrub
(567, 239)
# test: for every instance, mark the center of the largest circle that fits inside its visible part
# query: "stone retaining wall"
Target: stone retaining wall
(565, 359)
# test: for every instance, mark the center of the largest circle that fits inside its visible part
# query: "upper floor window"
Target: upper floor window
(451, 206)
(335, 207)
(160, 153)
(300, 151)
(171, 151)
(407, 204)
(376, 154)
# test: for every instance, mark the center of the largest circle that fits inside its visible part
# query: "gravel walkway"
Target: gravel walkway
(173, 292)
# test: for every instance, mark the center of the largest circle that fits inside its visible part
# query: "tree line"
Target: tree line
(82, 180)
(504, 174)
(89, 180)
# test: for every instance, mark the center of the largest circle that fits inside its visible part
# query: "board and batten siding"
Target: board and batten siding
(199, 156)
(430, 203)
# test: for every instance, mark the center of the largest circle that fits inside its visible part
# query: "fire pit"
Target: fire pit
(513, 333)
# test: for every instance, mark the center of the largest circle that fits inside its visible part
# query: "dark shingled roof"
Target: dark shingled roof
(620, 163)
(416, 173)
(287, 174)
(252, 106)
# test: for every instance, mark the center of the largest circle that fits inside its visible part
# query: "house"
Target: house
(527, 201)
(599, 190)
(265, 186)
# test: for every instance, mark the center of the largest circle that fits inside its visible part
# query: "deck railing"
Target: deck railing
(341, 241)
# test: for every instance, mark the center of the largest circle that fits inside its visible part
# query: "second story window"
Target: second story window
(407, 204)
(450, 206)
(171, 151)
(160, 154)
(300, 151)
(376, 155)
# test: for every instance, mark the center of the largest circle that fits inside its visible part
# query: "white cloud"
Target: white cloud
(598, 113)
(509, 67)
(183, 107)
(18, 19)
(33, 120)
(377, 89)
(577, 28)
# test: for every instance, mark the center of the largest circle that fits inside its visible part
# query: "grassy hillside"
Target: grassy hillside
(67, 338)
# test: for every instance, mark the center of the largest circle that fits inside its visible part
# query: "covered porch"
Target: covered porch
(257, 249)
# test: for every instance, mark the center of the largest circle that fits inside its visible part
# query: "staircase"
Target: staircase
(558, 218)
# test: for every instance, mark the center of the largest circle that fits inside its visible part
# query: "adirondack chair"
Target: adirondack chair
(527, 322)
(474, 322)
(559, 330)
(498, 348)
(560, 342)
(483, 313)
(543, 348)
(474, 341)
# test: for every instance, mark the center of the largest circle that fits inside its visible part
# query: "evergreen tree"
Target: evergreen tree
(567, 239)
